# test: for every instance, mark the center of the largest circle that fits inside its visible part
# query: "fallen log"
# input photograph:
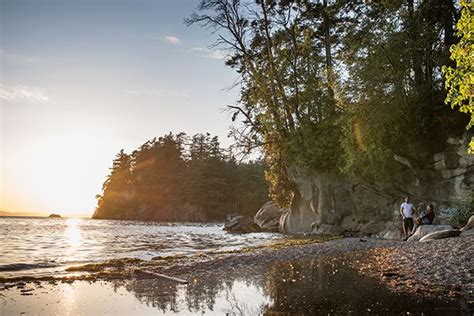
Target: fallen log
(159, 275)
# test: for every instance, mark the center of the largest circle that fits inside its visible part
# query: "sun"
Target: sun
(61, 174)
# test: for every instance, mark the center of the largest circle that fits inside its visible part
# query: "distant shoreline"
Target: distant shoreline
(27, 215)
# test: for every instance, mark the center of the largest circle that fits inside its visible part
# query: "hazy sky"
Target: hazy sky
(80, 79)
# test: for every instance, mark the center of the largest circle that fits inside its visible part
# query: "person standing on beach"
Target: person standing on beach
(406, 211)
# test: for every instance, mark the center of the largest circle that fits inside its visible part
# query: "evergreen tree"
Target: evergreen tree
(167, 176)
(116, 188)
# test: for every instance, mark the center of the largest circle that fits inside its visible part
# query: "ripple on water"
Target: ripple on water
(36, 242)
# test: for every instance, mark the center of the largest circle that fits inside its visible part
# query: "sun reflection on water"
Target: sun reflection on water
(73, 233)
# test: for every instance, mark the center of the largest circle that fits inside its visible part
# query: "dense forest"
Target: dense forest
(181, 178)
(344, 85)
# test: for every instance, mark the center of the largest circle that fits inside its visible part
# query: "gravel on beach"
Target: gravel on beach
(439, 268)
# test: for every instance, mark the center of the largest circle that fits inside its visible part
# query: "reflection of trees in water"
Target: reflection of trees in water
(313, 286)
(330, 285)
(202, 292)
(292, 283)
(197, 296)
(156, 293)
(319, 284)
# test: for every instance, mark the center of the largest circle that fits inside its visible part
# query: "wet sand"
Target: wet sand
(352, 275)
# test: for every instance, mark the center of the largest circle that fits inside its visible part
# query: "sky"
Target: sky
(82, 79)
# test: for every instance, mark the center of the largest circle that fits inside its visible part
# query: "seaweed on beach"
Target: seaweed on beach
(110, 264)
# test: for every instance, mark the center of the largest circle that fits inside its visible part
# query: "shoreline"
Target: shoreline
(395, 266)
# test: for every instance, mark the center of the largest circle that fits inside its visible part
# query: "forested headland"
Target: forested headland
(181, 178)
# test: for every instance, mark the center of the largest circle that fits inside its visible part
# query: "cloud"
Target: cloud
(173, 40)
(207, 53)
(217, 54)
(23, 93)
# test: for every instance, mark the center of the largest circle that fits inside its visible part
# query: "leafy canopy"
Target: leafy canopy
(460, 78)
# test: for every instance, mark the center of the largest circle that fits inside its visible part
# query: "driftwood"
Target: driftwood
(159, 275)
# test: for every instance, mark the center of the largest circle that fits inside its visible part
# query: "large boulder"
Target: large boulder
(440, 174)
(441, 234)
(423, 230)
(392, 230)
(268, 216)
(468, 229)
(241, 224)
(469, 225)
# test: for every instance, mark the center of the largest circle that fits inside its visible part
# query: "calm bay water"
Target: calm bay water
(43, 246)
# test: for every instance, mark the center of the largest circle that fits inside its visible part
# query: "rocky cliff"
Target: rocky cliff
(328, 203)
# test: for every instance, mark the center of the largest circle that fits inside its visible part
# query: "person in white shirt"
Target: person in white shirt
(406, 211)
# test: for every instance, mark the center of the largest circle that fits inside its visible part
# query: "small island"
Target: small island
(54, 215)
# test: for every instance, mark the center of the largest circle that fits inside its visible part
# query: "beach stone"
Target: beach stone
(441, 235)
(424, 230)
(469, 225)
(268, 216)
(241, 224)
(467, 233)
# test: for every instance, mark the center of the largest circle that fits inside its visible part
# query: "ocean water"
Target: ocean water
(37, 247)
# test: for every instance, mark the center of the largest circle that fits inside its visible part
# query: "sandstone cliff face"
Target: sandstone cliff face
(327, 203)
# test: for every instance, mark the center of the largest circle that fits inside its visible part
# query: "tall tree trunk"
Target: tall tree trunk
(327, 46)
(296, 107)
(415, 52)
(274, 79)
(449, 20)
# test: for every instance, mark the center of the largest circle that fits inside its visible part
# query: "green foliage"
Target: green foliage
(282, 52)
(178, 178)
(393, 97)
(340, 85)
(460, 79)
(312, 145)
(465, 211)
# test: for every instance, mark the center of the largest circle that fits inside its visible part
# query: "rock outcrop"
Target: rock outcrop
(326, 202)
(441, 234)
(468, 229)
(423, 230)
(268, 216)
(469, 225)
(241, 224)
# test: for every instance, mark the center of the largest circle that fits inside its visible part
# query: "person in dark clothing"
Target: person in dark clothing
(426, 217)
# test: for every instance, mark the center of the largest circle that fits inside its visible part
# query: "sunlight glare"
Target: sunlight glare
(73, 233)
